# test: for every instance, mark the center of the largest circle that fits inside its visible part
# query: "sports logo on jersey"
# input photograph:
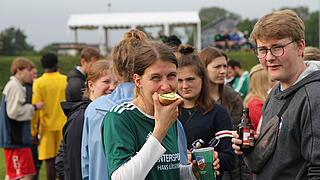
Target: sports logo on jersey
(200, 161)
(122, 107)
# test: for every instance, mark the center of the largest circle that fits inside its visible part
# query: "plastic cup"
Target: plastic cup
(205, 158)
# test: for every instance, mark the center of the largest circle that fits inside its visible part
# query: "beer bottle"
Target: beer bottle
(246, 132)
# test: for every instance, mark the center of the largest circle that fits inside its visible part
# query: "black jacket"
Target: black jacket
(68, 161)
(76, 82)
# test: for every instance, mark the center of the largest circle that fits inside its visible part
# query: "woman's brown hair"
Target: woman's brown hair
(97, 70)
(123, 54)
(207, 55)
(190, 59)
(147, 54)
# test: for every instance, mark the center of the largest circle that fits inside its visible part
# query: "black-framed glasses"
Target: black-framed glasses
(276, 51)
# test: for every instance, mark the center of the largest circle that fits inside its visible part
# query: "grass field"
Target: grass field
(247, 60)
(66, 63)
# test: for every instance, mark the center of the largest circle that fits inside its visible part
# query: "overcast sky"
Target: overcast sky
(44, 21)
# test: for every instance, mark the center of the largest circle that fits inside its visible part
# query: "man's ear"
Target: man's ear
(83, 61)
(18, 71)
(301, 45)
(137, 80)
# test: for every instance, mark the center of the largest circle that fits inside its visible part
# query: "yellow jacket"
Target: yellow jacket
(49, 89)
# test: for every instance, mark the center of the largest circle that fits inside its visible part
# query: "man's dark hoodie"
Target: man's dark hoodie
(76, 82)
(68, 160)
(297, 153)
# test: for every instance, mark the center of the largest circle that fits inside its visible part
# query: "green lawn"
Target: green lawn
(247, 60)
(65, 65)
(2, 165)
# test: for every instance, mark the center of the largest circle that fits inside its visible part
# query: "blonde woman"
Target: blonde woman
(259, 86)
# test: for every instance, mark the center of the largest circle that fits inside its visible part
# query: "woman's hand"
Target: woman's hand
(189, 156)
(164, 116)
(215, 164)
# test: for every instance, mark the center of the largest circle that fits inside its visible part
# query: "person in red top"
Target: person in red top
(260, 84)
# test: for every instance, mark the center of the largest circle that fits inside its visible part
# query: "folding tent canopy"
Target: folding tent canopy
(105, 21)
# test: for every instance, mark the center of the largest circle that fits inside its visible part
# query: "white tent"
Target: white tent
(105, 21)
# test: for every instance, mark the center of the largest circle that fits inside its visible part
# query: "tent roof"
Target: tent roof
(127, 20)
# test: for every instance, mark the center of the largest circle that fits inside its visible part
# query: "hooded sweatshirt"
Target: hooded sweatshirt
(297, 153)
(68, 160)
(76, 82)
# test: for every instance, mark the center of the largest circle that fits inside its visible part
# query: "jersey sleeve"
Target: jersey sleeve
(226, 154)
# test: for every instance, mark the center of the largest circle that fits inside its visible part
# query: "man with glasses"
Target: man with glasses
(279, 37)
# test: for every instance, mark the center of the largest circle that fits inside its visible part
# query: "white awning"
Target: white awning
(136, 19)
(125, 20)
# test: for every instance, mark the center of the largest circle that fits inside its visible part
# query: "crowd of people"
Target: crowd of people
(104, 119)
(233, 41)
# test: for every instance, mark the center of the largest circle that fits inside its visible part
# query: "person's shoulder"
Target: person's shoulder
(75, 73)
(220, 109)
(101, 102)
(312, 88)
(255, 102)
(62, 75)
(11, 81)
(40, 80)
(11, 85)
(74, 70)
(123, 93)
(126, 107)
(246, 74)
(230, 93)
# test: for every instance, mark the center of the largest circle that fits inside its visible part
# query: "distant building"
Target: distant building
(71, 49)
(209, 31)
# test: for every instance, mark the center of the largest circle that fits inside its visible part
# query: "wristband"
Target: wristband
(35, 107)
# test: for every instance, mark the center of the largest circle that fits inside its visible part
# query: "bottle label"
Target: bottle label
(251, 138)
(246, 137)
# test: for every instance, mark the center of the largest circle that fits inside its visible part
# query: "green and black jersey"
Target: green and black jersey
(125, 130)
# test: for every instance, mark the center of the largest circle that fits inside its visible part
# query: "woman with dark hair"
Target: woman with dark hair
(140, 137)
(200, 116)
(215, 61)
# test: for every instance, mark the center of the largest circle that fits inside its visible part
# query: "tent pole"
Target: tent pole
(76, 35)
(199, 36)
(166, 29)
(106, 40)
(101, 46)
